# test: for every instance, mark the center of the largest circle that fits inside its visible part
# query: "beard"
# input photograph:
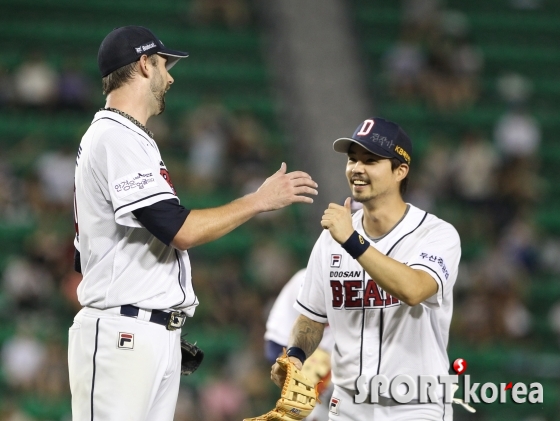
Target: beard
(362, 198)
(158, 88)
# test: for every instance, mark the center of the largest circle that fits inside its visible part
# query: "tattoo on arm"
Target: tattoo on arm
(306, 334)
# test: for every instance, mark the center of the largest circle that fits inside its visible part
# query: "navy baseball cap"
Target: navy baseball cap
(127, 44)
(381, 137)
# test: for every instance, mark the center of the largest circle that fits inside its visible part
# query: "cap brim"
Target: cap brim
(343, 144)
(173, 56)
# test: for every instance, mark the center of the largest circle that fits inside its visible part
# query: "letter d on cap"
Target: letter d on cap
(366, 128)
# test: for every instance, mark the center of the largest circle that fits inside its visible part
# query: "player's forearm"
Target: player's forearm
(306, 334)
(408, 285)
(205, 225)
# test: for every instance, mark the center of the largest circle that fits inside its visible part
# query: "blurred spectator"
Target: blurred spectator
(474, 169)
(222, 400)
(55, 170)
(234, 14)
(451, 81)
(514, 89)
(27, 282)
(519, 187)
(404, 65)
(22, 359)
(161, 130)
(517, 134)
(519, 241)
(74, 90)
(272, 264)
(12, 198)
(247, 151)
(549, 253)
(35, 82)
(52, 378)
(516, 318)
(251, 372)
(209, 133)
(494, 308)
(467, 63)
(10, 412)
(433, 179)
(187, 408)
(422, 15)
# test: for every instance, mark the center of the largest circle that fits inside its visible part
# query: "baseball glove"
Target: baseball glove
(298, 397)
(191, 357)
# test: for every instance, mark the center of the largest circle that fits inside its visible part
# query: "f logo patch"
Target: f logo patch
(333, 407)
(126, 341)
(335, 260)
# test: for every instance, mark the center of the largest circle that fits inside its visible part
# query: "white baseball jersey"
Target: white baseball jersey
(283, 315)
(374, 332)
(119, 169)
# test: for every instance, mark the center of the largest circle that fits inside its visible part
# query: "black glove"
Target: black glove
(191, 357)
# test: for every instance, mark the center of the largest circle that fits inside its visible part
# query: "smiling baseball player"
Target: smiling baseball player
(124, 351)
(382, 279)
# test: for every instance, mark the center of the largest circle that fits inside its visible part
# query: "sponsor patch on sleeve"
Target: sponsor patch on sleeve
(436, 259)
(134, 182)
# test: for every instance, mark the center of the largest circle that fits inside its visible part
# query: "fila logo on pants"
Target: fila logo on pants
(126, 341)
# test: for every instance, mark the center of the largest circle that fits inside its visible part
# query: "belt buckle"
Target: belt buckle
(176, 320)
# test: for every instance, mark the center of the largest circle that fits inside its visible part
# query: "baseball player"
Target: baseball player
(382, 279)
(131, 239)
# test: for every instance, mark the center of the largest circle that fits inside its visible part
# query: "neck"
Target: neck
(130, 101)
(380, 216)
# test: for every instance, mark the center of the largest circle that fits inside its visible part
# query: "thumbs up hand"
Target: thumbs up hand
(338, 220)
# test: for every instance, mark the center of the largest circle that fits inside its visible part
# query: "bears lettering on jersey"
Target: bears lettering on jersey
(350, 294)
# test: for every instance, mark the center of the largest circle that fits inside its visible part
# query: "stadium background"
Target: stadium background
(474, 83)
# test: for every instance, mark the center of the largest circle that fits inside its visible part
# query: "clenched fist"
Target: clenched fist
(338, 220)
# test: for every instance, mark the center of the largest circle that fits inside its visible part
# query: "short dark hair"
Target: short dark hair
(395, 163)
(122, 75)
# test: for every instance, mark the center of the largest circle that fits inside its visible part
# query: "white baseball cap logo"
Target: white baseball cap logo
(366, 128)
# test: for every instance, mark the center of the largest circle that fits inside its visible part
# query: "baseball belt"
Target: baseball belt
(172, 320)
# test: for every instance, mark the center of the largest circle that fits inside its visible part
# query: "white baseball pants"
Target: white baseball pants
(122, 368)
(343, 408)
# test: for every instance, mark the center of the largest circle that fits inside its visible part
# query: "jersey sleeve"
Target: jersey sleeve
(311, 297)
(130, 166)
(283, 315)
(439, 256)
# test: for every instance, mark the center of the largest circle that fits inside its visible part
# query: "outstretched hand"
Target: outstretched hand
(282, 189)
(338, 220)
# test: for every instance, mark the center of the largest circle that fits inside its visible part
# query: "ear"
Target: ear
(143, 66)
(402, 171)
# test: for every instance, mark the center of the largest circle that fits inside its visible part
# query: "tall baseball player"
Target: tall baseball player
(382, 279)
(131, 239)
